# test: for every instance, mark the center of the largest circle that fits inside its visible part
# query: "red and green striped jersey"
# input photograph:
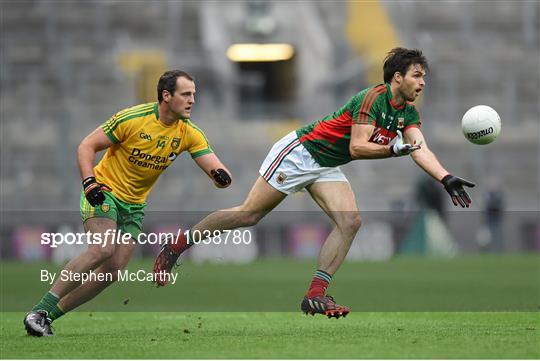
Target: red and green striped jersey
(327, 140)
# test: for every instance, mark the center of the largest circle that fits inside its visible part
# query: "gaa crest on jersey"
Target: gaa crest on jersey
(145, 136)
(175, 143)
(281, 177)
(105, 207)
(400, 122)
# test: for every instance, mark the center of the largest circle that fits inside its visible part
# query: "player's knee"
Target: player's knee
(101, 254)
(356, 221)
(351, 222)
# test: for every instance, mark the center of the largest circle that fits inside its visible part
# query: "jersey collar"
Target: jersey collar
(156, 113)
(156, 110)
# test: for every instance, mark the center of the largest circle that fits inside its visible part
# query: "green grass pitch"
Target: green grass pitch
(280, 335)
(469, 307)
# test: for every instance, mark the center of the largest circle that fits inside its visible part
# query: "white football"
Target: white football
(481, 124)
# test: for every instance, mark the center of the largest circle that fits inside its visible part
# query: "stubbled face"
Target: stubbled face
(181, 102)
(412, 83)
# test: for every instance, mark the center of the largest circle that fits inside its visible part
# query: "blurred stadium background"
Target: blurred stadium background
(67, 66)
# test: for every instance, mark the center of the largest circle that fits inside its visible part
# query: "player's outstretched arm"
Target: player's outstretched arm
(213, 167)
(361, 148)
(86, 154)
(431, 165)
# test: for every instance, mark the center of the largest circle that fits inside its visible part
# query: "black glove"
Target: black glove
(93, 191)
(454, 187)
(221, 177)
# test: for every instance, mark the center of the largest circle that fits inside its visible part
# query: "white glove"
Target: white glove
(399, 149)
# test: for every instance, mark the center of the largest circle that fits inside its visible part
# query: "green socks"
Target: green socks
(49, 303)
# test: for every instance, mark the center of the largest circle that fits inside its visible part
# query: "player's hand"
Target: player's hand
(221, 177)
(454, 187)
(399, 149)
(93, 191)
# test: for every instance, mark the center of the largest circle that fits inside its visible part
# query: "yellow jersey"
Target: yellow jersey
(143, 148)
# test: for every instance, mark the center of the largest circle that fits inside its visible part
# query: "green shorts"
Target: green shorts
(128, 217)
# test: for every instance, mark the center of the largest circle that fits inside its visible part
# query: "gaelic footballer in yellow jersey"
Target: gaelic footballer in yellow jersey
(140, 143)
(143, 148)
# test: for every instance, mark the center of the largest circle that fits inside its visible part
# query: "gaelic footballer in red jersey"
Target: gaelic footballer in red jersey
(378, 122)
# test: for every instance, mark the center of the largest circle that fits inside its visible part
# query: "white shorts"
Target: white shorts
(289, 167)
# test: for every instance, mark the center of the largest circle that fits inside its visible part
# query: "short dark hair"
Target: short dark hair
(400, 59)
(168, 82)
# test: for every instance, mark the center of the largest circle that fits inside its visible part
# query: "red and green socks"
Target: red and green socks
(181, 243)
(319, 284)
